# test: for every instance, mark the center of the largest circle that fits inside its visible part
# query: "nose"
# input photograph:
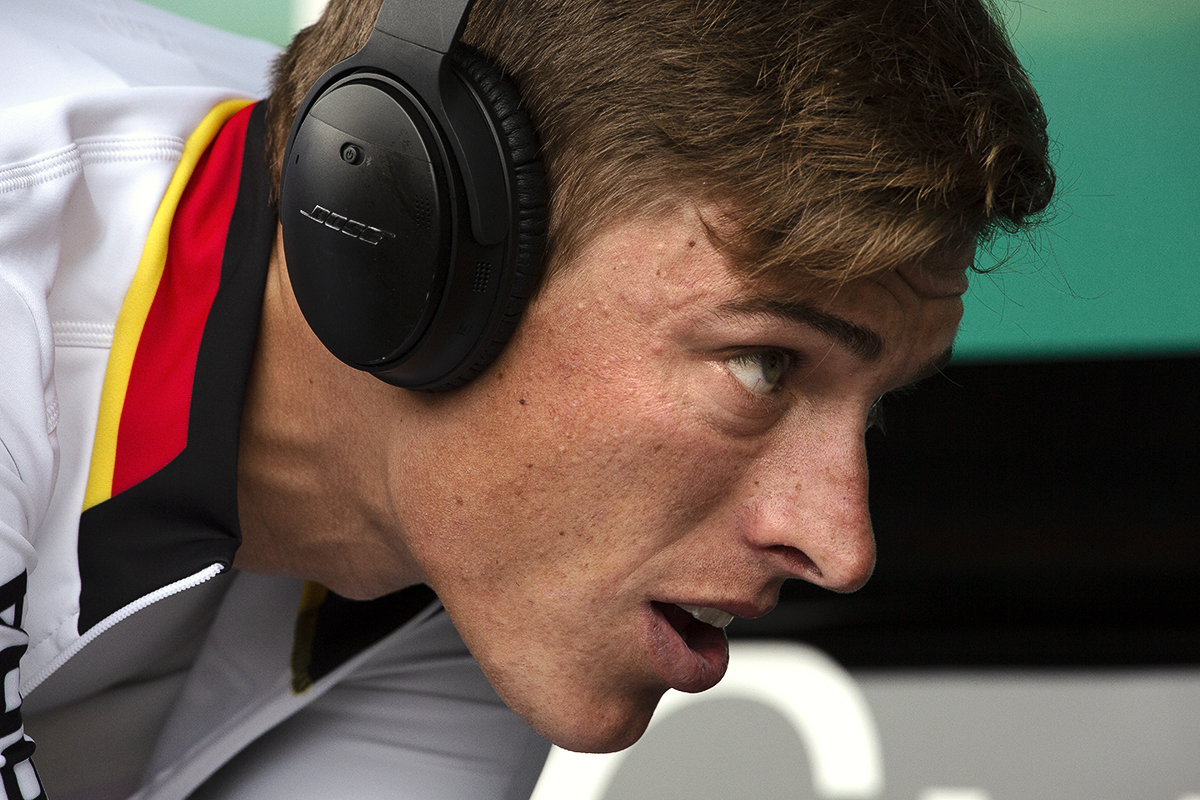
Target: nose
(808, 514)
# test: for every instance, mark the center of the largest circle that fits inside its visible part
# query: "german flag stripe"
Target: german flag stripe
(147, 390)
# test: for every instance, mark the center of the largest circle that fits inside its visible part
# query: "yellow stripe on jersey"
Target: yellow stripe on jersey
(136, 306)
(306, 631)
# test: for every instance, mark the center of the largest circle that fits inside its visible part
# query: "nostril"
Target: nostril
(796, 562)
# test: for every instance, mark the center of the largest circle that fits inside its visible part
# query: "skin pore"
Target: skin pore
(655, 434)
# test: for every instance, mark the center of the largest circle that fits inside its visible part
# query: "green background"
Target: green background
(1116, 271)
(272, 20)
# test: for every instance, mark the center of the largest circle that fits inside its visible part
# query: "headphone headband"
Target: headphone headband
(433, 24)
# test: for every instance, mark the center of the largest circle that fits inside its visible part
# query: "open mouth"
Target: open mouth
(692, 654)
(699, 627)
(709, 616)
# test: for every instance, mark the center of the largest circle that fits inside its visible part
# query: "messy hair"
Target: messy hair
(838, 137)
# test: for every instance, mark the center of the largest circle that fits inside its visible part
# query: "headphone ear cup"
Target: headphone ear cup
(520, 144)
(402, 267)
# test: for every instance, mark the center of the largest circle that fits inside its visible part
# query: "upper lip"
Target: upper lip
(738, 609)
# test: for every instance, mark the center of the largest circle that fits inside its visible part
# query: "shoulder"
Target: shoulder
(107, 91)
(71, 47)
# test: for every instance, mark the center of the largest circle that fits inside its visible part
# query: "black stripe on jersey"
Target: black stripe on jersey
(184, 518)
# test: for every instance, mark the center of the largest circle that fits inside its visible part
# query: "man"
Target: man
(760, 219)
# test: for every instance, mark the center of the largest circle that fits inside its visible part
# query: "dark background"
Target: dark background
(1041, 513)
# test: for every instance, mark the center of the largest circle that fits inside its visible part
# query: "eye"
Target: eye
(760, 371)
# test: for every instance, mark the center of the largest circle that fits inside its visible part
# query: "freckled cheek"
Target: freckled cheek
(600, 491)
(649, 484)
(592, 475)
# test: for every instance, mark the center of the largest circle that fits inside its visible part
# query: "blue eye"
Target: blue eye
(760, 371)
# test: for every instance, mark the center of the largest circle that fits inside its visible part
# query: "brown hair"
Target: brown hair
(841, 137)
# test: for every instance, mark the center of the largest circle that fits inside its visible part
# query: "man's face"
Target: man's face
(656, 434)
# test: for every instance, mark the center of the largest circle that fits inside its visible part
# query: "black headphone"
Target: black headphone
(413, 203)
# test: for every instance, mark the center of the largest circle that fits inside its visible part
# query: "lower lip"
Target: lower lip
(690, 666)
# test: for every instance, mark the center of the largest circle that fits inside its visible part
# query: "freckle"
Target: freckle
(529, 466)
(458, 501)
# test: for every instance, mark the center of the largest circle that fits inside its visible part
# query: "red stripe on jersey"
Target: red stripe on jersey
(154, 418)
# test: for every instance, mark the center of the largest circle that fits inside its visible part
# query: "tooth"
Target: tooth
(709, 616)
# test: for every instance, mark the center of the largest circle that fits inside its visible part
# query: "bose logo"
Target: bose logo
(350, 227)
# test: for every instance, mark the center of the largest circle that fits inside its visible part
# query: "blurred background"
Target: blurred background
(1033, 627)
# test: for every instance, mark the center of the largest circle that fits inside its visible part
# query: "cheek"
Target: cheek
(591, 482)
(618, 483)
(570, 464)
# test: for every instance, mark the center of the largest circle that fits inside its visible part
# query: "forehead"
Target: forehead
(941, 273)
(795, 268)
(662, 290)
(679, 258)
(934, 272)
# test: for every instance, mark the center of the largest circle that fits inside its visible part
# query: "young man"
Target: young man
(760, 220)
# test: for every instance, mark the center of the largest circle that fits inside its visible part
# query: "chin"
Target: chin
(606, 729)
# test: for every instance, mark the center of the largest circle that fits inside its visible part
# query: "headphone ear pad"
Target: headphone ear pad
(520, 143)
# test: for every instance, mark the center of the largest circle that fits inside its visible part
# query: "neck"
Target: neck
(313, 474)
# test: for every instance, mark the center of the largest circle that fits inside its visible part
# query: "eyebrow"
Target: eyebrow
(863, 342)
